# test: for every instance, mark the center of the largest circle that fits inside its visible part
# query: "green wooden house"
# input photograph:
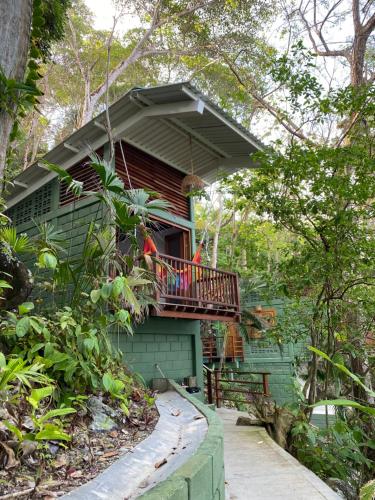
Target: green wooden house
(161, 131)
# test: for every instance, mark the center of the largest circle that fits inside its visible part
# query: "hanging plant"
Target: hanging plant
(191, 184)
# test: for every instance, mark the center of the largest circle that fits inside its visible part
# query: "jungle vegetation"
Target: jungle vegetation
(301, 222)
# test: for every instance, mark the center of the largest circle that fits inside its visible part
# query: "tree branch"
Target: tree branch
(288, 124)
(369, 26)
(138, 51)
(327, 52)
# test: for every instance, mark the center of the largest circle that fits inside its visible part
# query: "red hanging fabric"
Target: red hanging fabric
(149, 246)
(197, 259)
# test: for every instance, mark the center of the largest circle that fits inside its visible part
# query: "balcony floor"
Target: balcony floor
(186, 311)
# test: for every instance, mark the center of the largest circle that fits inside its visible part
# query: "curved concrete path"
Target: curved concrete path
(257, 468)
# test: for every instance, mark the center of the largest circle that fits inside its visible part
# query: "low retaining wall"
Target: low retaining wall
(202, 476)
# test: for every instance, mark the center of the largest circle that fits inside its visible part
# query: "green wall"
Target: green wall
(202, 476)
(263, 355)
(173, 344)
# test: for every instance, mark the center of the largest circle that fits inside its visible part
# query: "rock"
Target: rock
(28, 423)
(53, 448)
(101, 415)
(342, 488)
(248, 421)
(4, 414)
(28, 447)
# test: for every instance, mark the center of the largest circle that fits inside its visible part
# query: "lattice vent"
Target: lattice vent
(263, 348)
(35, 205)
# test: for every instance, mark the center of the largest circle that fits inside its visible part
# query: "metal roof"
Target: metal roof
(175, 123)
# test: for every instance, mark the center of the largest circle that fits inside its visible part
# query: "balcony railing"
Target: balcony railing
(187, 289)
(212, 348)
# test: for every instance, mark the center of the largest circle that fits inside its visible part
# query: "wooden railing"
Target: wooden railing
(193, 287)
(216, 392)
(212, 348)
(209, 349)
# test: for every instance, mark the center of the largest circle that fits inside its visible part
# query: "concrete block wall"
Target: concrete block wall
(202, 476)
(267, 356)
(172, 344)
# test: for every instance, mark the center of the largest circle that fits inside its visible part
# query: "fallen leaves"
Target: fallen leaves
(63, 469)
(160, 463)
(17, 494)
(9, 459)
(109, 454)
(73, 473)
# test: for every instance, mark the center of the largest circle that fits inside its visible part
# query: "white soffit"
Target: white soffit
(160, 121)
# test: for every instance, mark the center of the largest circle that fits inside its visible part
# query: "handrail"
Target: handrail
(245, 373)
(195, 264)
(216, 392)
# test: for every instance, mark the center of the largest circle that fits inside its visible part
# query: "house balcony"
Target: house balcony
(194, 291)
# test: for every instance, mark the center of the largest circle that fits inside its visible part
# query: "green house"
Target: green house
(159, 133)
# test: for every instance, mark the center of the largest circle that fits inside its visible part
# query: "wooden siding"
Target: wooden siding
(81, 172)
(147, 172)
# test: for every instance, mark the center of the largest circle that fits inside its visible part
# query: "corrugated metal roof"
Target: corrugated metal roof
(214, 135)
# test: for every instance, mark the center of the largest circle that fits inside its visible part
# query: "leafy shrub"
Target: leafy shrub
(338, 451)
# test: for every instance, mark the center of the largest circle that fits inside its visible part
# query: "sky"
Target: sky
(103, 11)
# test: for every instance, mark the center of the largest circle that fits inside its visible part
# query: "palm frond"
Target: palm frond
(140, 203)
(18, 243)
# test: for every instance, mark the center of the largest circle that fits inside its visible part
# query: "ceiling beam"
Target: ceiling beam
(71, 147)
(154, 110)
(20, 184)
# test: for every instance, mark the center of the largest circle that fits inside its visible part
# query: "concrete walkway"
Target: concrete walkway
(257, 468)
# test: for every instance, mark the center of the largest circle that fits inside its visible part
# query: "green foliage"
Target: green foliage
(367, 492)
(345, 370)
(346, 402)
(339, 451)
(116, 388)
(46, 425)
(19, 98)
(14, 370)
(71, 346)
(318, 190)
(20, 243)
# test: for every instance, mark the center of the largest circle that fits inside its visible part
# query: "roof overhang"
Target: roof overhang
(174, 123)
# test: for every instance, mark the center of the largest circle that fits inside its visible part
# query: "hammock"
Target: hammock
(183, 277)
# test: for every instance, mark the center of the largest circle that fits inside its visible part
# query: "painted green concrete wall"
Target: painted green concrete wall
(202, 476)
(73, 221)
(173, 344)
(263, 355)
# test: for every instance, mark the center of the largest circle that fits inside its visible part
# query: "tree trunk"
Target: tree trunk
(215, 241)
(15, 27)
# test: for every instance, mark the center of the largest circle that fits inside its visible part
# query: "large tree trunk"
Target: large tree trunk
(15, 26)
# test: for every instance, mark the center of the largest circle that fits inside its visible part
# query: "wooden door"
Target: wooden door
(234, 343)
(178, 245)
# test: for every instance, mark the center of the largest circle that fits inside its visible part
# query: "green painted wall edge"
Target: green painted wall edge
(202, 476)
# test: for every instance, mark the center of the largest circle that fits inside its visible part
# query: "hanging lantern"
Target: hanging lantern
(191, 182)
